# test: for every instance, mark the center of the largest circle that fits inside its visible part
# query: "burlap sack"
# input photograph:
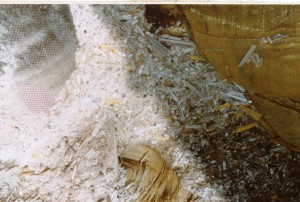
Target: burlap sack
(225, 33)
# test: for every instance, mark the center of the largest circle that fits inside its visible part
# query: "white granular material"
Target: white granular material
(67, 165)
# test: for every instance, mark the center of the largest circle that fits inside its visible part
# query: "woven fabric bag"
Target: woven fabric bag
(258, 47)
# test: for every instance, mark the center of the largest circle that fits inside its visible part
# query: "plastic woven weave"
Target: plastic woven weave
(256, 46)
(38, 44)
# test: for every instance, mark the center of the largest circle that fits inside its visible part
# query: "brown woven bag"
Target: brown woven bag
(258, 47)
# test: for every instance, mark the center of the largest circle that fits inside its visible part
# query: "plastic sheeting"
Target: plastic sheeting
(37, 54)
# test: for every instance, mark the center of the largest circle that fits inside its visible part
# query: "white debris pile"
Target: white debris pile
(57, 156)
(132, 86)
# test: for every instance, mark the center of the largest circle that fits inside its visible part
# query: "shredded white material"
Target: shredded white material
(54, 156)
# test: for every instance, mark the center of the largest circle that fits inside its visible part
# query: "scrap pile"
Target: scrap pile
(137, 84)
(211, 117)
